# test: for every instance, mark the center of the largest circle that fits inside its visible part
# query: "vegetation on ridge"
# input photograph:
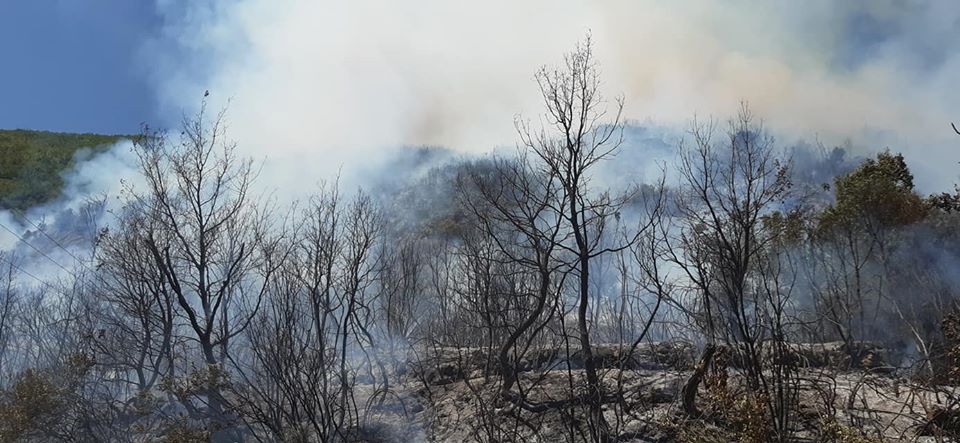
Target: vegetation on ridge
(32, 163)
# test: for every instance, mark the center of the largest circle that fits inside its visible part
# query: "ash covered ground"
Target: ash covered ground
(841, 394)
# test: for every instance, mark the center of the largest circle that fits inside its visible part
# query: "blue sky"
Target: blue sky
(75, 65)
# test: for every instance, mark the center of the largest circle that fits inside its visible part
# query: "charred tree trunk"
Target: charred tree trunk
(689, 392)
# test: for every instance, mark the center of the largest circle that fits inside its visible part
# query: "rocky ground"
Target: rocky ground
(451, 400)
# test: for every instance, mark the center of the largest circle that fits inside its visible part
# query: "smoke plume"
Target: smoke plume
(316, 86)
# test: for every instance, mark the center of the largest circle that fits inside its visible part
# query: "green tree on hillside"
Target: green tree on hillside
(879, 194)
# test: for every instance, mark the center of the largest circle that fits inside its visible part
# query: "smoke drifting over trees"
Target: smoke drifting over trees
(716, 287)
(878, 73)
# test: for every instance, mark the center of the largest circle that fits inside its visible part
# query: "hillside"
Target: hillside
(32, 163)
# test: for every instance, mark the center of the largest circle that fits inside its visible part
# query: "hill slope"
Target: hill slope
(32, 163)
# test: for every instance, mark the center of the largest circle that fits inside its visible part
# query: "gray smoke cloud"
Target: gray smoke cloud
(316, 86)
(318, 89)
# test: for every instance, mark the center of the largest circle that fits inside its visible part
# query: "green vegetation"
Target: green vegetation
(878, 194)
(32, 163)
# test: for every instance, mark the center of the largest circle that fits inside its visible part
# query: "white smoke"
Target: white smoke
(55, 239)
(316, 85)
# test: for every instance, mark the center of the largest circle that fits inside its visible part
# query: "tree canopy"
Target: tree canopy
(879, 193)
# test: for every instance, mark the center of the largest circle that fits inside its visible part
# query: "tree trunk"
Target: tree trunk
(689, 393)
